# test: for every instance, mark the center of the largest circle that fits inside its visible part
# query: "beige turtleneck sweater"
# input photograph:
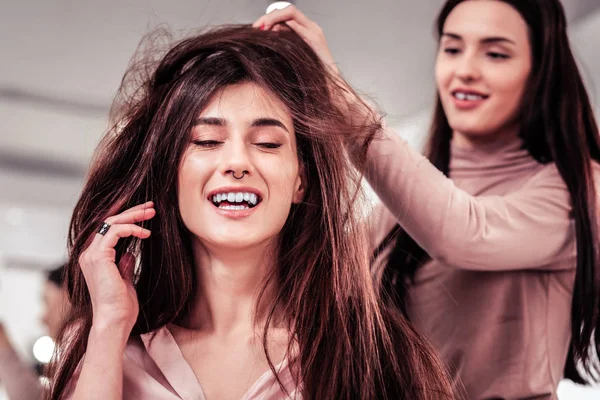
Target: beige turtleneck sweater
(496, 297)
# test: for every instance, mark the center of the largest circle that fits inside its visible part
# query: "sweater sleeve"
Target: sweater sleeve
(18, 379)
(530, 228)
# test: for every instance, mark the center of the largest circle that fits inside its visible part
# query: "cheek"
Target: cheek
(285, 177)
(443, 73)
(509, 83)
(193, 173)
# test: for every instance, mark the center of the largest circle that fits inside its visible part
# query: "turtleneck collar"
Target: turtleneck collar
(490, 159)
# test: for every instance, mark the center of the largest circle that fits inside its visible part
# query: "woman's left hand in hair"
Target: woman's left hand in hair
(307, 29)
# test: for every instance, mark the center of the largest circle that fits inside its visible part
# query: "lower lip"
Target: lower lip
(236, 214)
(467, 104)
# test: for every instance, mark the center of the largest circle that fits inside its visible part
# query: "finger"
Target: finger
(119, 231)
(267, 21)
(148, 204)
(127, 267)
(300, 29)
(131, 216)
(281, 27)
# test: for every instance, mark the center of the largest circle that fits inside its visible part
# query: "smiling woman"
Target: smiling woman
(224, 183)
(245, 132)
(490, 243)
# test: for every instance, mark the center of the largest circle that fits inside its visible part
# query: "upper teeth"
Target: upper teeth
(467, 96)
(236, 197)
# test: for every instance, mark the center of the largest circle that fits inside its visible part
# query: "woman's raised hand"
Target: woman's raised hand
(308, 30)
(114, 300)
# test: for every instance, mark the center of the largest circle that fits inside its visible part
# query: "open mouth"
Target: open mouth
(468, 96)
(235, 200)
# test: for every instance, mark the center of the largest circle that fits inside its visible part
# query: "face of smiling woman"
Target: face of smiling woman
(244, 132)
(482, 67)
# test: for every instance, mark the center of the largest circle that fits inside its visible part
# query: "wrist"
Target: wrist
(117, 331)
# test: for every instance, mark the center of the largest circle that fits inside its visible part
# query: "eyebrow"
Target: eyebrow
(269, 122)
(256, 122)
(492, 39)
(210, 121)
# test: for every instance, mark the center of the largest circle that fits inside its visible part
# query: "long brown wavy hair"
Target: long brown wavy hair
(350, 346)
(557, 125)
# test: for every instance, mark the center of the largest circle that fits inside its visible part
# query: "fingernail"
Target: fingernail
(262, 27)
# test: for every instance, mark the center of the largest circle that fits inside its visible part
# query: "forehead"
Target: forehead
(246, 100)
(478, 19)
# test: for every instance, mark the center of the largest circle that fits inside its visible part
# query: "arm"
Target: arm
(18, 379)
(114, 304)
(526, 229)
(101, 373)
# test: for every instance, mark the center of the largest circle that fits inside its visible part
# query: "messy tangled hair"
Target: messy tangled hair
(323, 279)
(557, 125)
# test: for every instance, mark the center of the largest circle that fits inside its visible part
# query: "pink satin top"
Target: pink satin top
(154, 368)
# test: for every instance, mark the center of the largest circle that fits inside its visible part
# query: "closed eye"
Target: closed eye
(498, 56)
(207, 143)
(267, 145)
(451, 50)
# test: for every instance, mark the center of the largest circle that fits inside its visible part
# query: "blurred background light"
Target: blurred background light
(43, 349)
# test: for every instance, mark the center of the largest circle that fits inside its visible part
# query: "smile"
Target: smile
(235, 200)
(467, 96)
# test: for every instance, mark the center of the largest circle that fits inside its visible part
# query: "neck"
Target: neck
(228, 285)
(490, 141)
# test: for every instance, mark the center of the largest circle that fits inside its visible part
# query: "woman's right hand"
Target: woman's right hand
(114, 300)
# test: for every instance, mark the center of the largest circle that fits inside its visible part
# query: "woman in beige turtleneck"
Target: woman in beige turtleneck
(488, 243)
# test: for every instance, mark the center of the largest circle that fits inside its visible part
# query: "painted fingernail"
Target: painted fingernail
(262, 27)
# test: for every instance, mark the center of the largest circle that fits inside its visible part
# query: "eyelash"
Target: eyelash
(450, 50)
(215, 143)
(270, 146)
(497, 56)
(207, 143)
(493, 55)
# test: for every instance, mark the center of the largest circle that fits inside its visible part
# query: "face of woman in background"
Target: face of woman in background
(244, 132)
(56, 307)
(482, 67)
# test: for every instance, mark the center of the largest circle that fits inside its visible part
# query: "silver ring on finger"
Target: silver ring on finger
(104, 228)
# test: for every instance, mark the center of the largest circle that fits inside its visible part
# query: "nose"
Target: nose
(236, 160)
(467, 68)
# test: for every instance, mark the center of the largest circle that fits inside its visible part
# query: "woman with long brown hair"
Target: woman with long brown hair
(214, 252)
(489, 244)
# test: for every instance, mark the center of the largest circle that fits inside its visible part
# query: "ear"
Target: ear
(299, 186)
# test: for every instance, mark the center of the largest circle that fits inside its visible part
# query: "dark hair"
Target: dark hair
(57, 276)
(557, 125)
(350, 346)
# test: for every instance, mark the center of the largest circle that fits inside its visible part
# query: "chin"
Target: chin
(237, 242)
(473, 130)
